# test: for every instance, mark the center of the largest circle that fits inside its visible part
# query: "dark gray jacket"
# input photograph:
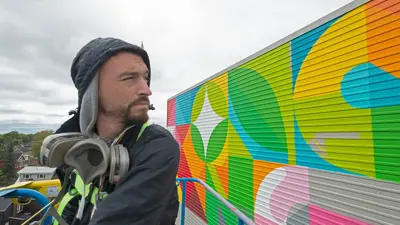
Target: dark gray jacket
(148, 194)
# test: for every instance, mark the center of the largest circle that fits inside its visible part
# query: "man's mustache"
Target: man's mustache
(139, 101)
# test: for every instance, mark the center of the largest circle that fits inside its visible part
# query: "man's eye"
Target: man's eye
(127, 78)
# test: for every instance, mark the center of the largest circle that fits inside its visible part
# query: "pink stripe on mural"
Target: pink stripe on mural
(319, 216)
(171, 112)
(293, 189)
(260, 220)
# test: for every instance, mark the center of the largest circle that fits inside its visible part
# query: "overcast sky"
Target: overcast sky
(191, 40)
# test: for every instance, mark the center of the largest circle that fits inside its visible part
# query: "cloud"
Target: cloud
(187, 41)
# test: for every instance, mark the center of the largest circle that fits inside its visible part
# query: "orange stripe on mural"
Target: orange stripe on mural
(383, 35)
(195, 164)
(201, 191)
(222, 172)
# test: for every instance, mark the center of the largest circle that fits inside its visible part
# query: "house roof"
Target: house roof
(16, 155)
(36, 170)
(4, 203)
(23, 156)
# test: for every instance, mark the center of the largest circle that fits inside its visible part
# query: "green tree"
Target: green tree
(27, 138)
(16, 138)
(37, 141)
(7, 143)
(2, 152)
(3, 179)
(8, 169)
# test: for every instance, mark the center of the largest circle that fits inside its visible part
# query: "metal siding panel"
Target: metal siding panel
(376, 202)
(305, 133)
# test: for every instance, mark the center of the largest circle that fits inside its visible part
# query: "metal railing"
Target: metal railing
(30, 193)
(242, 218)
(16, 192)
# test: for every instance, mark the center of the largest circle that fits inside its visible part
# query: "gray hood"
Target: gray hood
(89, 108)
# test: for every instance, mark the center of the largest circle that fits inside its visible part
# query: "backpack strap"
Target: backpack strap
(51, 211)
(145, 125)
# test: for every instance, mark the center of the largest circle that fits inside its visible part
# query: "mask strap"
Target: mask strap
(115, 142)
(102, 177)
(51, 211)
(82, 204)
(101, 183)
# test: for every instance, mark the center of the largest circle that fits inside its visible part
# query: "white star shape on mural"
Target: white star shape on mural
(207, 121)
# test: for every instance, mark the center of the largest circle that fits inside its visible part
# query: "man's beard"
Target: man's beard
(137, 119)
(124, 114)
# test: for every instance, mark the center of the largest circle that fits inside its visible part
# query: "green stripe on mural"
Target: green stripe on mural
(386, 144)
(240, 191)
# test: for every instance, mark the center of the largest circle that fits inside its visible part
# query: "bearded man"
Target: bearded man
(113, 82)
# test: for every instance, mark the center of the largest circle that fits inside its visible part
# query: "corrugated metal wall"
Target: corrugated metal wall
(306, 133)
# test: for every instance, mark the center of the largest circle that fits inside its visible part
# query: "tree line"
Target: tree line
(8, 142)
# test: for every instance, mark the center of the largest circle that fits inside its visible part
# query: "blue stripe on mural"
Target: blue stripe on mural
(184, 104)
(368, 86)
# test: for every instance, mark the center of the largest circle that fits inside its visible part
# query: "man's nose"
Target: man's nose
(144, 88)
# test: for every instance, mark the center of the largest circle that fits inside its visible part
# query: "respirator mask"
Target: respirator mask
(91, 157)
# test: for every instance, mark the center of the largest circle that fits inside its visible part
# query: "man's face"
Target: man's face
(123, 90)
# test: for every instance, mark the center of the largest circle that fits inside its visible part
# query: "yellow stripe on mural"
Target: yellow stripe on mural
(335, 53)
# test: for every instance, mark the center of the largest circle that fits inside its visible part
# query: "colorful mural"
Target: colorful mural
(307, 133)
